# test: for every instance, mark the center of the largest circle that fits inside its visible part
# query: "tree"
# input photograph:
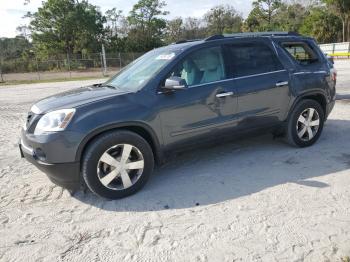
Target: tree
(23, 31)
(113, 17)
(342, 8)
(174, 30)
(14, 47)
(252, 23)
(264, 11)
(321, 24)
(66, 26)
(146, 25)
(290, 17)
(12, 50)
(194, 29)
(223, 19)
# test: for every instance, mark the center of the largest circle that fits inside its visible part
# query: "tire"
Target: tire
(295, 127)
(114, 151)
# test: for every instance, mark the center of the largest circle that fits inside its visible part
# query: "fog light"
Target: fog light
(39, 153)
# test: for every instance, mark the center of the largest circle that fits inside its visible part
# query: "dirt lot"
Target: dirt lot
(252, 200)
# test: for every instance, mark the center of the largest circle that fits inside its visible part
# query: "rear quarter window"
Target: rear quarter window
(301, 52)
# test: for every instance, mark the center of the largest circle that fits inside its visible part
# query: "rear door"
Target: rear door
(311, 72)
(260, 80)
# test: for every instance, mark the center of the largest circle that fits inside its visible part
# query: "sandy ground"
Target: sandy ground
(253, 200)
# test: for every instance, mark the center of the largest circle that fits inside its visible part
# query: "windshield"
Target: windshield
(136, 75)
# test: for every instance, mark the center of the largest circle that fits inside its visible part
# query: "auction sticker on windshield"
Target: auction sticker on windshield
(166, 56)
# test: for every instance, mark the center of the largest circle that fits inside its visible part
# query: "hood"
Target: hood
(75, 98)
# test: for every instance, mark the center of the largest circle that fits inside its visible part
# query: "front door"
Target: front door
(206, 107)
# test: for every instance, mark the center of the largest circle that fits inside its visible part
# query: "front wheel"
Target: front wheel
(117, 164)
(305, 123)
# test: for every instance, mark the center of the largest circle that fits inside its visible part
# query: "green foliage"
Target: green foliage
(112, 17)
(341, 8)
(66, 26)
(14, 47)
(78, 28)
(174, 30)
(315, 20)
(322, 25)
(146, 25)
(291, 17)
(223, 19)
(194, 29)
(265, 10)
(14, 54)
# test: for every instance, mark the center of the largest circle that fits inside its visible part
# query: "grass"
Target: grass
(19, 82)
(345, 259)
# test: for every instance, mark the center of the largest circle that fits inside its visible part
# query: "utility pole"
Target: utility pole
(102, 69)
(37, 66)
(2, 78)
(1, 62)
(68, 61)
(104, 60)
(120, 62)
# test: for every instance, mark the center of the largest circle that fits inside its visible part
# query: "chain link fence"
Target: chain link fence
(32, 68)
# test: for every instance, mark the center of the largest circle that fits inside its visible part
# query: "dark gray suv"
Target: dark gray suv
(108, 137)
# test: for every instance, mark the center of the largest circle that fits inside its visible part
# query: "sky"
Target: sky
(12, 11)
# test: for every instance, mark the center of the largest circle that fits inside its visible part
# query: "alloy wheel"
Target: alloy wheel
(120, 167)
(308, 124)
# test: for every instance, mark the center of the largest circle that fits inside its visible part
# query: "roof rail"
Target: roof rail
(214, 37)
(186, 41)
(248, 34)
(252, 34)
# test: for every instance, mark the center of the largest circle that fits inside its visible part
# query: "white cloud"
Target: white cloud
(12, 11)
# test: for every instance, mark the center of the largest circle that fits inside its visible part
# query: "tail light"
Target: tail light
(334, 74)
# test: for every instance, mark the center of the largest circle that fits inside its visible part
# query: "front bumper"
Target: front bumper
(66, 175)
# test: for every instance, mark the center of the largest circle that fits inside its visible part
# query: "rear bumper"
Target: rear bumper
(329, 108)
(66, 175)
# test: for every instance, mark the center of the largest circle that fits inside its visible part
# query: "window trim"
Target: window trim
(307, 47)
(244, 77)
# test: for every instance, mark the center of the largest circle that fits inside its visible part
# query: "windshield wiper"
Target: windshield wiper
(105, 85)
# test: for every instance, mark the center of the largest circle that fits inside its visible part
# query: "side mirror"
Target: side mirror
(175, 83)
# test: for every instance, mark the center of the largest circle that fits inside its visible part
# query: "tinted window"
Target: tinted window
(301, 52)
(250, 59)
(201, 67)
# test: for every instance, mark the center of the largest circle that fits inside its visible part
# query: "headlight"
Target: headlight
(54, 121)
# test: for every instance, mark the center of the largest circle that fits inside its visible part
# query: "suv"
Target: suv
(109, 136)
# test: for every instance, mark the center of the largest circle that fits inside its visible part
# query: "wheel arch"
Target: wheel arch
(141, 129)
(319, 97)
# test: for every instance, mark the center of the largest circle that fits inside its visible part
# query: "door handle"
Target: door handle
(221, 95)
(284, 83)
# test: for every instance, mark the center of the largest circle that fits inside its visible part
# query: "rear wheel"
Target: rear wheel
(117, 164)
(305, 124)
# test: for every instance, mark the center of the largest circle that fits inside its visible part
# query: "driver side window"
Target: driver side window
(201, 67)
